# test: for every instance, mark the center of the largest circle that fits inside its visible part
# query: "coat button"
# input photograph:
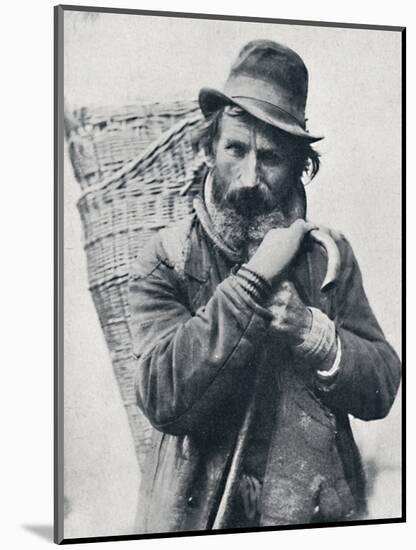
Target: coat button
(191, 501)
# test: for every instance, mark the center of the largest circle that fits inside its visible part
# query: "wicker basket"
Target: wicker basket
(128, 194)
(101, 141)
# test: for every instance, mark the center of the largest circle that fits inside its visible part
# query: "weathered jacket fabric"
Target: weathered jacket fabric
(203, 347)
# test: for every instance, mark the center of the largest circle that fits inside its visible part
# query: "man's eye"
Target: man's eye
(271, 157)
(236, 150)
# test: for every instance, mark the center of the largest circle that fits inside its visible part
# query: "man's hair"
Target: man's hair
(305, 158)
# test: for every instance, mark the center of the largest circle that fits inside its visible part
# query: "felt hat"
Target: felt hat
(269, 81)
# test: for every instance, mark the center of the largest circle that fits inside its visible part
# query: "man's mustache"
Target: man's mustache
(248, 202)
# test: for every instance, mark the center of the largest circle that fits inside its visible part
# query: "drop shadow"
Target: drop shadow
(43, 531)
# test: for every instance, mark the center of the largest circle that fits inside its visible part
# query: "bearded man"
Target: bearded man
(249, 360)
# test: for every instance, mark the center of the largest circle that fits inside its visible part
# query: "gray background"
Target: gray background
(354, 101)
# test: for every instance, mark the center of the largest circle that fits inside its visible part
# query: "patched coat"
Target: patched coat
(200, 345)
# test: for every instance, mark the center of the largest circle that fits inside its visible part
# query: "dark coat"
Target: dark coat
(200, 341)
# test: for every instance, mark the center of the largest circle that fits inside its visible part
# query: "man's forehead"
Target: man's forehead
(246, 128)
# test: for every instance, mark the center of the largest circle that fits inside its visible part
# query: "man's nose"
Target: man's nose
(249, 173)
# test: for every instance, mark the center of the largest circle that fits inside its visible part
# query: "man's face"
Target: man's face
(253, 170)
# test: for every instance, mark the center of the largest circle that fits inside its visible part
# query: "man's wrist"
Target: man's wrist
(263, 272)
(319, 342)
(254, 284)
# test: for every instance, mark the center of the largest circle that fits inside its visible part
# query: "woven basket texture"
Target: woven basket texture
(138, 173)
(102, 140)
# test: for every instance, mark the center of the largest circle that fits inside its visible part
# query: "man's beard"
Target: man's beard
(243, 217)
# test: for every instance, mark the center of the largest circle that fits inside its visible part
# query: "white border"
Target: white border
(27, 412)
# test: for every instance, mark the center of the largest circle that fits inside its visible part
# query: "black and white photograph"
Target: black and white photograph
(229, 195)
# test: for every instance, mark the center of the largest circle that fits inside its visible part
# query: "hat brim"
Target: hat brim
(211, 100)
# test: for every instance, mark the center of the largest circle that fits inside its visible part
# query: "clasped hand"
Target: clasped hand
(272, 258)
(291, 317)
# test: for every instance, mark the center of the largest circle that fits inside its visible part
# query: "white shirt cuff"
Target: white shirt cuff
(326, 374)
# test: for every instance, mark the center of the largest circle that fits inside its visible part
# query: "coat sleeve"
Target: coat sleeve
(189, 364)
(369, 373)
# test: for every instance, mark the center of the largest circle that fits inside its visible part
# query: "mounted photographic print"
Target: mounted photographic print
(228, 221)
